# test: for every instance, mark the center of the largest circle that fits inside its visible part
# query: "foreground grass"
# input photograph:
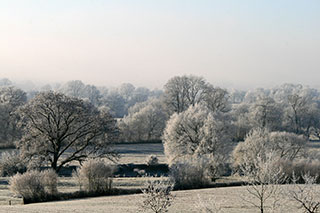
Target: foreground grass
(228, 198)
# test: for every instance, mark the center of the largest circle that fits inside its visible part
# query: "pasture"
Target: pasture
(228, 198)
(138, 152)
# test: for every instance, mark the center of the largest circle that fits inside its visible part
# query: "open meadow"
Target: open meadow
(229, 199)
(137, 153)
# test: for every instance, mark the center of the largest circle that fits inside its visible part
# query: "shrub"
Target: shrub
(284, 145)
(11, 163)
(207, 205)
(95, 176)
(301, 167)
(50, 180)
(34, 185)
(152, 160)
(195, 172)
(157, 195)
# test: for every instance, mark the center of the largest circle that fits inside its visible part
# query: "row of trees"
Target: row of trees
(191, 116)
(291, 108)
(118, 99)
(144, 113)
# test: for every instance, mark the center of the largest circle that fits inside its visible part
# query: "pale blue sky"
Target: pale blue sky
(237, 43)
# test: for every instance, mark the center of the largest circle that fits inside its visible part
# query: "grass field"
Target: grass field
(137, 153)
(229, 199)
(134, 152)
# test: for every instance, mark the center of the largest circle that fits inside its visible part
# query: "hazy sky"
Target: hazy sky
(146, 42)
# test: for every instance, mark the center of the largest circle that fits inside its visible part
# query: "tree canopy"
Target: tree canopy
(196, 131)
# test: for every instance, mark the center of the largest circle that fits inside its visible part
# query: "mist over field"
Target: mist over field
(235, 44)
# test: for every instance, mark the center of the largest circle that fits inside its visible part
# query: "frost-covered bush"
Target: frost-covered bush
(95, 176)
(283, 145)
(195, 172)
(11, 163)
(207, 205)
(50, 180)
(301, 167)
(152, 160)
(34, 185)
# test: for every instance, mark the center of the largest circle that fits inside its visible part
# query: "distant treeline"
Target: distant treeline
(142, 113)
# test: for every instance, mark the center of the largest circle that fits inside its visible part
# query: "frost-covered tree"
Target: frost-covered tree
(237, 96)
(241, 120)
(73, 88)
(301, 113)
(289, 107)
(281, 93)
(121, 99)
(264, 176)
(266, 113)
(252, 96)
(183, 91)
(5, 82)
(91, 93)
(195, 131)
(260, 142)
(288, 145)
(78, 89)
(300, 105)
(115, 102)
(126, 90)
(216, 99)
(145, 121)
(10, 99)
(312, 120)
(139, 95)
(61, 129)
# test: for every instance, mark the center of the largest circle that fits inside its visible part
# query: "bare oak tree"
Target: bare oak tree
(61, 129)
